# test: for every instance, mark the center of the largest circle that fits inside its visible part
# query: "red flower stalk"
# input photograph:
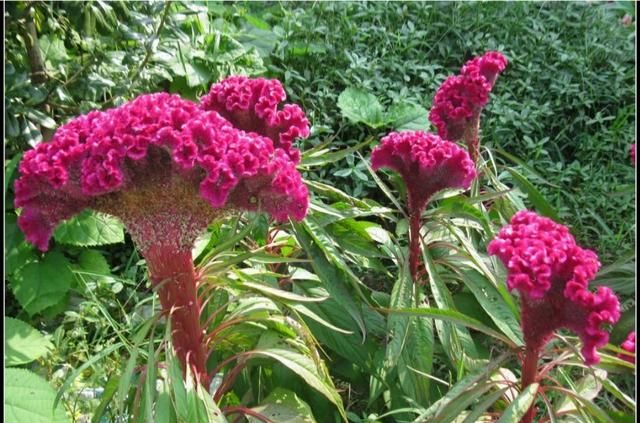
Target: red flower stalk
(552, 274)
(459, 100)
(629, 345)
(427, 165)
(166, 168)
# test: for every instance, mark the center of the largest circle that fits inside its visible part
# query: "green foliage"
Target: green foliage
(29, 398)
(319, 320)
(90, 229)
(22, 343)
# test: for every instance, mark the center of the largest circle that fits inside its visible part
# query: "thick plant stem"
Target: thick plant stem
(174, 275)
(414, 246)
(529, 376)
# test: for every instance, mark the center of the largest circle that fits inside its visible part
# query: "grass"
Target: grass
(565, 106)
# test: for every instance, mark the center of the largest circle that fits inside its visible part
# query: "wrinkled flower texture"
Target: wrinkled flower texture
(426, 162)
(456, 107)
(629, 345)
(552, 273)
(168, 166)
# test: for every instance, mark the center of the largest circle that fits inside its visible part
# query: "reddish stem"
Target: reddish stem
(529, 376)
(174, 275)
(414, 246)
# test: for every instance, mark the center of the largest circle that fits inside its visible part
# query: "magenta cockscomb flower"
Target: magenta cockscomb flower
(167, 168)
(629, 345)
(427, 164)
(253, 105)
(552, 274)
(459, 100)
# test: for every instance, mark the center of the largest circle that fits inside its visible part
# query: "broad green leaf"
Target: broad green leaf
(323, 157)
(9, 169)
(453, 317)
(304, 367)
(407, 117)
(360, 106)
(283, 406)
(41, 119)
(53, 49)
(464, 385)
(517, 409)
(536, 198)
(332, 277)
(93, 263)
(90, 228)
(41, 284)
(17, 252)
(456, 341)
(587, 387)
(492, 303)
(22, 342)
(486, 402)
(411, 344)
(29, 398)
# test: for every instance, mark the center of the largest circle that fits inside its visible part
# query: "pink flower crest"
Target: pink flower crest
(253, 106)
(629, 345)
(427, 164)
(456, 107)
(552, 274)
(161, 164)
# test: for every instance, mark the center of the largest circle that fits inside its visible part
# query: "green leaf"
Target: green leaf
(453, 317)
(93, 263)
(333, 278)
(517, 409)
(304, 367)
(534, 195)
(411, 344)
(90, 228)
(360, 106)
(17, 252)
(283, 406)
(492, 303)
(22, 343)
(39, 285)
(464, 385)
(456, 341)
(29, 398)
(407, 117)
(53, 49)
(41, 119)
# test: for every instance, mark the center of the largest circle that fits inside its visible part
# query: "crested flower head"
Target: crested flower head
(253, 106)
(459, 100)
(552, 274)
(162, 164)
(629, 345)
(427, 164)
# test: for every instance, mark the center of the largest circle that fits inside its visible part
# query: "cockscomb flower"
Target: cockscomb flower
(459, 100)
(552, 274)
(427, 165)
(166, 168)
(253, 105)
(629, 345)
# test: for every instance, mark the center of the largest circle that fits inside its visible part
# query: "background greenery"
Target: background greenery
(564, 108)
